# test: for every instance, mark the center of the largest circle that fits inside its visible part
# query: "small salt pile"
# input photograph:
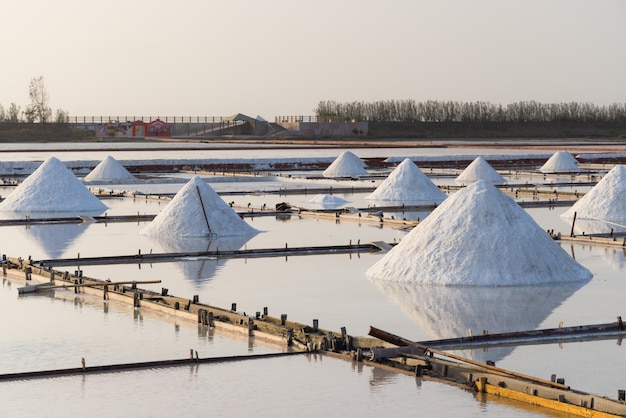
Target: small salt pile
(327, 200)
(478, 237)
(560, 162)
(480, 169)
(606, 201)
(197, 211)
(52, 188)
(407, 183)
(109, 169)
(346, 164)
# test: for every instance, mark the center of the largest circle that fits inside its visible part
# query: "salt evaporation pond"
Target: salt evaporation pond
(333, 289)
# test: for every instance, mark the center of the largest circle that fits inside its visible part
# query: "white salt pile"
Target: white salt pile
(51, 188)
(407, 183)
(346, 165)
(478, 237)
(327, 200)
(560, 162)
(109, 169)
(606, 201)
(480, 169)
(197, 211)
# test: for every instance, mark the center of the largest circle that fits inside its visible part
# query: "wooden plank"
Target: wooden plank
(48, 286)
(385, 336)
(567, 408)
(247, 253)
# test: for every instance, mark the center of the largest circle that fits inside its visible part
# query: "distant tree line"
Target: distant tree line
(454, 111)
(37, 111)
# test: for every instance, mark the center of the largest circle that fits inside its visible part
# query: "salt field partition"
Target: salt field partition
(331, 288)
(363, 390)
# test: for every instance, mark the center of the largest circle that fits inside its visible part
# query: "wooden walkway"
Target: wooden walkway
(218, 254)
(424, 362)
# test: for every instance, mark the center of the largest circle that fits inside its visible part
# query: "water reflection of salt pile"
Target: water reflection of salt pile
(449, 312)
(560, 162)
(54, 239)
(605, 203)
(407, 184)
(110, 170)
(200, 270)
(347, 164)
(615, 257)
(480, 169)
(52, 188)
(478, 237)
(326, 201)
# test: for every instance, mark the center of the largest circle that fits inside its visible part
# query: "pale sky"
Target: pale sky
(280, 57)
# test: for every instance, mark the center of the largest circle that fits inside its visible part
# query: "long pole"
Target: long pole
(206, 219)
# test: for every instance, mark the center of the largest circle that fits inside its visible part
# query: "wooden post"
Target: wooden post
(265, 311)
(283, 319)
(136, 302)
(28, 272)
(233, 307)
(210, 319)
(105, 292)
(251, 327)
(315, 325)
(571, 232)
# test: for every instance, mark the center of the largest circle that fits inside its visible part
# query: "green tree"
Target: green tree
(38, 110)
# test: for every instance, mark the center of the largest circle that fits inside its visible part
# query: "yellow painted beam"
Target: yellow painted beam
(542, 402)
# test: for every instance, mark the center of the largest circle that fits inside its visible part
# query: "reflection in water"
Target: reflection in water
(381, 377)
(448, 312)
(199, 271)
(615, 257)
(54, 239)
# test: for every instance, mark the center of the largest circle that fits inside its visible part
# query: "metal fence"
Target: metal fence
(178, 119)
(167, 119)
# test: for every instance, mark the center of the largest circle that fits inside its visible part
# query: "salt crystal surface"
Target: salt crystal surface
(478, 237)
(347, 164)
(109, 169)
(52, 188)
(409, 184)
(560, 162)
(480, 169)
(197, 211)
(606, 201)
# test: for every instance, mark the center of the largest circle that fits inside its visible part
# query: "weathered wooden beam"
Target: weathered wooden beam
(386, 336)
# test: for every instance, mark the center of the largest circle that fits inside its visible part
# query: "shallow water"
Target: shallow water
(57, 330)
